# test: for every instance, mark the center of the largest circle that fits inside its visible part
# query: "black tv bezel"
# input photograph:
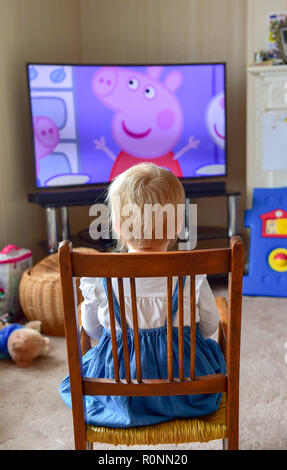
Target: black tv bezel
(104, 185)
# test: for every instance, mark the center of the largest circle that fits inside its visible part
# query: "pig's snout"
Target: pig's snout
(104, 81)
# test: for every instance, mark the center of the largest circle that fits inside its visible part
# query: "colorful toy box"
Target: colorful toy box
(267, 220)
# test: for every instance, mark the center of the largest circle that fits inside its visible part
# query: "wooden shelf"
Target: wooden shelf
(263, 69)
(209, 233)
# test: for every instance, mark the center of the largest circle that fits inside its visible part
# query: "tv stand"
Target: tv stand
(60, 200)
(192, 189)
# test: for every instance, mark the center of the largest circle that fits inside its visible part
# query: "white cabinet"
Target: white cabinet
(266, 128)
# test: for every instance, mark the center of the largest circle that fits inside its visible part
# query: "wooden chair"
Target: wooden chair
(224, 424)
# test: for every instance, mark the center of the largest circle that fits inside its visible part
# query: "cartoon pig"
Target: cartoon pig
(216, 119)
(46, 137)
(148, 119)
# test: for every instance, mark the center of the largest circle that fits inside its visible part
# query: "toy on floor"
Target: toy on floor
(23, 343)
(268, 243)
(13, 262)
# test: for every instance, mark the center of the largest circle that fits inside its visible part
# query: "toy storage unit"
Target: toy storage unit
(268, 243)
(13, 262)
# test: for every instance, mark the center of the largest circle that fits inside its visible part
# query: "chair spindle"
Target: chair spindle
(180, 329)
(169, 330)
(124, 330)
(135, 328)
(192, 327)
(113, 330)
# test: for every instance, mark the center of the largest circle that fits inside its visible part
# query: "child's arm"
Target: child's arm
(89, 308)
(208, 313)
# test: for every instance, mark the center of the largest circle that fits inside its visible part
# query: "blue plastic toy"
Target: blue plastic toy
(268, 244)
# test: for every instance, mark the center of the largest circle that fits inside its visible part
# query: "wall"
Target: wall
(109, 31)
(31, 30)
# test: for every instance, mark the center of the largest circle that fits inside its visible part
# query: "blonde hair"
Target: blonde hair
(143, 184)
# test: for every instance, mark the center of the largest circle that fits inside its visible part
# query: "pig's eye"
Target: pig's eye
(133, 83)
(149, 93)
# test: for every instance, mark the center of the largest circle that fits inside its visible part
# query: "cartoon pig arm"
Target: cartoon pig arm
(192, 144)
(148, 119)
(101, 145)
(46, 137)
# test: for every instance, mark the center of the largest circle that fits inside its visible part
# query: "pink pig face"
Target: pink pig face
(148, 118)
(46, 135)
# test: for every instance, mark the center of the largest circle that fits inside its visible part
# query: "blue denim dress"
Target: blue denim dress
(121, 412)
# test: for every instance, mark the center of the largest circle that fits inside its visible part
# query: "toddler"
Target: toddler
(143, 184)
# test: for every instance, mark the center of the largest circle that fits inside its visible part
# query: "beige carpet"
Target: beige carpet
(34, 417)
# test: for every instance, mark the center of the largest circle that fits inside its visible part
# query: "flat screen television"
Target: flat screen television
(92, 122)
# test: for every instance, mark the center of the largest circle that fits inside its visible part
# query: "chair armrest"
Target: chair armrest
(222, 307)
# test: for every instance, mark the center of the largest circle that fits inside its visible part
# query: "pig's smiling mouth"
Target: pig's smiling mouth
(218, 133)
(135, 135)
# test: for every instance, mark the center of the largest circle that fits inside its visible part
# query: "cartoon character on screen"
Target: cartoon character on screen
(215, 118)
(148, 119)
(46, 138)
(215, 123)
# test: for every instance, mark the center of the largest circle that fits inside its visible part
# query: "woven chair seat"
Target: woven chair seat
(177, 431)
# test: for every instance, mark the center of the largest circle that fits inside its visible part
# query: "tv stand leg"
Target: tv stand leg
(52, 229)
(232, 215)
(65, 223)
(189, 231)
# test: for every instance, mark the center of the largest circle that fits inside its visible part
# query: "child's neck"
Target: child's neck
(147, 249)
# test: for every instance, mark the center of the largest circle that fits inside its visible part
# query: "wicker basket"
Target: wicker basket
(40, 294)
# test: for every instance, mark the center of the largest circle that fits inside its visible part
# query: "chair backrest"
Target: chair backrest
(178, 264)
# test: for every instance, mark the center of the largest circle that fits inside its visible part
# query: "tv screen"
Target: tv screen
(92, 122)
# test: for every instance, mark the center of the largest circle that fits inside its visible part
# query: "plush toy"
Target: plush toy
(23, 343)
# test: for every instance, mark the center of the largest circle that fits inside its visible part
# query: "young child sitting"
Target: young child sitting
(146, 184)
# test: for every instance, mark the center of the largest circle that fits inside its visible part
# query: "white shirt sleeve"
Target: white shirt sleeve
(208, 314)
(89, 308)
